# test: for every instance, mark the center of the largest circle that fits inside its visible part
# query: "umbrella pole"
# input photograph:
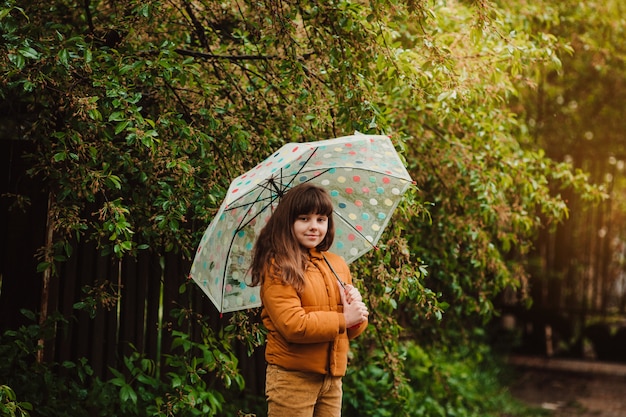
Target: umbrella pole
(343, 284)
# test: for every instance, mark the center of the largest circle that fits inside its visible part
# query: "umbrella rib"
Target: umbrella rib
(272, 185)
(262, 185)
(270, 199)
(303, 165)
(258, 200)
(245, 223)
(266, 184)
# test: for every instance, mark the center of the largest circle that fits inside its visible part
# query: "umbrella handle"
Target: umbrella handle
(343, 284)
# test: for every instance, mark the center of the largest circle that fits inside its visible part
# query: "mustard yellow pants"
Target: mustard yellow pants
(301, 394)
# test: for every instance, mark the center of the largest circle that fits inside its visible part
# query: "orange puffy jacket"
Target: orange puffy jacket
(307, 330)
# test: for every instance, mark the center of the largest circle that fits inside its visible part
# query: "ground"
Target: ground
(567, 388)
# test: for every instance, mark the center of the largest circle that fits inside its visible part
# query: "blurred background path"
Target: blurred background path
(571, 388)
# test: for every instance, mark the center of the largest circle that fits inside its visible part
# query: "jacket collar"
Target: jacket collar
(315, 254)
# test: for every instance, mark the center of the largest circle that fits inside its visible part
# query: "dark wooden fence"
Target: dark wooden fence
(578, 283)
(148, 287)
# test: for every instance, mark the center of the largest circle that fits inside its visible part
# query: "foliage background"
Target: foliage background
(140, 113)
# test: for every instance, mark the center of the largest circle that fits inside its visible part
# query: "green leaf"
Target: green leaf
(59, 156)
(64, 57)
(42, 266)
(117, 117)
(121, 126)
(28, 52)
(17, 60)
(128, 394)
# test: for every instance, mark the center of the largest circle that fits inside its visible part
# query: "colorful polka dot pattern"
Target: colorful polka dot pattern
(363, 174)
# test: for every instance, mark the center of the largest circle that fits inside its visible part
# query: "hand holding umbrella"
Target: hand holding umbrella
(352, 294)
(355, 312)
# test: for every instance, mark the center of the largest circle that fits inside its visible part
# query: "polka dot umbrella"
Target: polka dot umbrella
(362, 173)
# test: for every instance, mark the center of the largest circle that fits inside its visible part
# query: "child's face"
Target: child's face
(310, 229)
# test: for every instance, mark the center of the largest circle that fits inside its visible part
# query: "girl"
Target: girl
(309, 315)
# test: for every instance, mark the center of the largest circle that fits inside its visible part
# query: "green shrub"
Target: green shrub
(9, 406)
(442, 381)
(197, 378)
(66, 389)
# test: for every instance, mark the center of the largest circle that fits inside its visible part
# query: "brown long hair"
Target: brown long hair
(277, 248)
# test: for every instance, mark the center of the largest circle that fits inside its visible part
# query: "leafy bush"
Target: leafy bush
(52, 389)
(442, 381)
(195, 381)
(9, 406)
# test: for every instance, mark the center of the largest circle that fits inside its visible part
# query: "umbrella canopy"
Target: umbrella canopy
(364, 176)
